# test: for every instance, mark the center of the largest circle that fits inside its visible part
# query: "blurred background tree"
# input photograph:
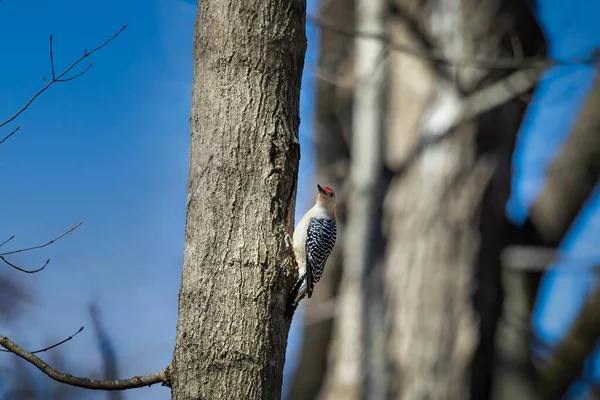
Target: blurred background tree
(444, 300)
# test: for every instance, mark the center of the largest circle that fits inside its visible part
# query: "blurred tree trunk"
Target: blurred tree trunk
(110, 364)
(351, 347)
(14, 299)
(60, 391)
(24, 386)
(446, 209)
(333, 119)
(237, 271)
(572, 176)
(569, 357)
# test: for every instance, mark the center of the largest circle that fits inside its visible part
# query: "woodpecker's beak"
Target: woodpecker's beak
(321, 189)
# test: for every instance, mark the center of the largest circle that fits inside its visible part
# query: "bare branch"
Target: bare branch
(33, 271)
(77, 75)
(61, 77)
(89, 53)
(10, 134)
(52, 60)
(53, 346)
(42, 245)
(86, 383)
(10, 238)
(438, 57)
(496, 94)
(529, 258)
(517, 47)
(535, 258)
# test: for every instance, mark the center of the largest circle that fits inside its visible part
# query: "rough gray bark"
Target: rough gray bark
(231, 333)
(441, 211)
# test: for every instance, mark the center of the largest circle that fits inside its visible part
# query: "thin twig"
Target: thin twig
(89, 53)
(436, 56)
(60, 77)
(131, 383)
(529, 258)
(52, 60)
(10, 238)
(24, 270)
(10, 134)
(77, 75)
(42, 245)
(519, 54)
(53, 346)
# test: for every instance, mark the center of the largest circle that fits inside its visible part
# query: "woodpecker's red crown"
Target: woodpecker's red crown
(326, 191)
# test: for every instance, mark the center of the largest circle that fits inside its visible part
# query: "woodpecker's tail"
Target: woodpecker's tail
(297, 293)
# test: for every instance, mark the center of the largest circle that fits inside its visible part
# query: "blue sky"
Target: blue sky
(111, 149)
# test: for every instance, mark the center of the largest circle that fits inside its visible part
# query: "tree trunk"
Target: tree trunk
(237, 271)
(442, 208)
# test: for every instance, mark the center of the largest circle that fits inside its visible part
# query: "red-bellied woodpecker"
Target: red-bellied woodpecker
(313, 239)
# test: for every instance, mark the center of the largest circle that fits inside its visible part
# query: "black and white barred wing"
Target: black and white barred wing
(320, 240)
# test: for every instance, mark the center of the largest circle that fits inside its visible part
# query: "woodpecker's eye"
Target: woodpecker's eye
(330, 194)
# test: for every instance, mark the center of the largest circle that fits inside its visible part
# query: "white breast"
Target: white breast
(318, 211)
